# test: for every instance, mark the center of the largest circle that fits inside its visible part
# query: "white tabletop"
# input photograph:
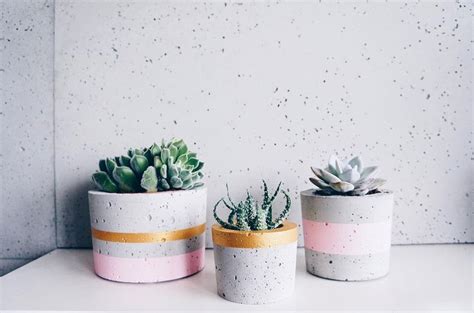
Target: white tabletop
(429, 277)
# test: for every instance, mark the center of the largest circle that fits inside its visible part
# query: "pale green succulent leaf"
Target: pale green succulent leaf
(173, 152)
(165, 154)
(149, 180)
(176, 182)
(157, 162)
(164, 171)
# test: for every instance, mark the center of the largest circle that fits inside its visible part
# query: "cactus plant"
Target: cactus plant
(249, 215)
(170, 166)
(349, 178)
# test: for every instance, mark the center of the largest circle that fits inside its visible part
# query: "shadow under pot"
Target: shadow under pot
(255, 267)
(148, 237)
(347, 237)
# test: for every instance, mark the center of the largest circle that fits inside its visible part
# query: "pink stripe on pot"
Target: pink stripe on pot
(353, 239)
(147, 270)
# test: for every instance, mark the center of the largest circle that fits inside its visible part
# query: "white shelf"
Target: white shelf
(430, 277)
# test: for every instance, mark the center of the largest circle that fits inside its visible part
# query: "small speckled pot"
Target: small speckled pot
(347, 237)
(148, 237)
(255, 267)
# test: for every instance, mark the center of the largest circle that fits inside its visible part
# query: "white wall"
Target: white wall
(264, 90)
(260, 90)
(27, 214)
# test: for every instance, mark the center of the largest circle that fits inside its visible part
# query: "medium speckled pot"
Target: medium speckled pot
(347, 237)
(148, 237)
(255, 267)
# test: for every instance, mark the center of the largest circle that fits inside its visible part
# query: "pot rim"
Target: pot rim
(310, 192)
(128, 194)
(230, 238)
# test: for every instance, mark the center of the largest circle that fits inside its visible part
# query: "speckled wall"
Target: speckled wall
(264, 90)
(27, 225)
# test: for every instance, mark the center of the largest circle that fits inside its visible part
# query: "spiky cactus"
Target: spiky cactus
(349, 178)
(249, 215)
(170, 166)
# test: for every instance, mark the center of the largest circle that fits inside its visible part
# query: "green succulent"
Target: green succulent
(170, 166)
(249, 215)
(351, 178)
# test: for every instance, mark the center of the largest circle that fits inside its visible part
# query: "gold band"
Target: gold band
(285, 234)
(149, 237)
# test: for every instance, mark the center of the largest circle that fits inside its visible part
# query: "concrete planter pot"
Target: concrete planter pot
(148, 237)
(347, 237)
(255, 267)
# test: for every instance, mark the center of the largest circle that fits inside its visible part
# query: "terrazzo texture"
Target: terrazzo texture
(152, 259)
(347, 237)
(347, 267)
(255, 275)
(264, 90)
(27, 225)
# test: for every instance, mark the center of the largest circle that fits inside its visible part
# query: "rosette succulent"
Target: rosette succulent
(350, 178)
(170, 166)
(249, 215)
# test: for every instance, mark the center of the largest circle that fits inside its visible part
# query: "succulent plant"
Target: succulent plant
(249, 215)
(170, 166)
(349, 178)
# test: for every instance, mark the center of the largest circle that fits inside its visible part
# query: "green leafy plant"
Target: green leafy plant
(170, 166)
(351, 178)
(249, 215)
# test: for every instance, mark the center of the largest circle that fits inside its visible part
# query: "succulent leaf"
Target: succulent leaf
(319, 183)
(149, 180)
(155, 149)
(172, 171)
(182, 159)
(125, 160)
(104, 182)
(249, 215)
(199, 166)
(164, 171)
(157, 162)
(349, 178)
(193, 162)
(170, 160)
(163, 185)
(165, 154)
(183, 149)
(356, 161)
(350, 175)
(173, 152)
(342, 186)
(139, 164)
(126, 179)
(176, 182)
(102, 166)
(110, 165)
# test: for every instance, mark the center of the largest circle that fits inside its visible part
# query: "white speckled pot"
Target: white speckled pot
(255, 267)
(347, 237)
(148, 237)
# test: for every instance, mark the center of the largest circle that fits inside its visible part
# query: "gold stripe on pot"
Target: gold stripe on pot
(149, 237)
(224, 237)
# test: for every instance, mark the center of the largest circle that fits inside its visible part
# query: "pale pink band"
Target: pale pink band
(147, 270)
(353, 239)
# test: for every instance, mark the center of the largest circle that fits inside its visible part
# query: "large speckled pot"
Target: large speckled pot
(148, 237)
(347, 237)
(255, 267)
